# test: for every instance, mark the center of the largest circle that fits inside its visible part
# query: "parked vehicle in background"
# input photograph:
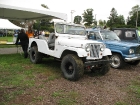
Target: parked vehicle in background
(122, 52)
(128, 34)
(69, 44)
(1, 34)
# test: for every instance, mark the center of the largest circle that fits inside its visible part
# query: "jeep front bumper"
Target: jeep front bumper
(90, 63)
(132, 59)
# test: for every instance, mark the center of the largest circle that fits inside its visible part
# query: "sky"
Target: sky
(101, 8)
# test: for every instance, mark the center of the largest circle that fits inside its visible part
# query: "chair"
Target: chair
(51, 40)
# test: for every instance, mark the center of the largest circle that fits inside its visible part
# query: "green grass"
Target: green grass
(8, 38)
(66, 98)
(18, 74)
(135, 87)
(133, 91)
(7, 45)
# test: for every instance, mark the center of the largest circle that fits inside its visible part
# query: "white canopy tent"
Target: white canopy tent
(18, 10)
(6, 24)
(23, 12)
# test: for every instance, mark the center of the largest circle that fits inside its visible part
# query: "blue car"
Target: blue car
(122, 52)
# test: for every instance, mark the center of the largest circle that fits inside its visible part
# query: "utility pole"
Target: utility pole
(72, 11)
(138, 9)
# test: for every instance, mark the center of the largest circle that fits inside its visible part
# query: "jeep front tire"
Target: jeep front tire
(101, 69)
(72, 67)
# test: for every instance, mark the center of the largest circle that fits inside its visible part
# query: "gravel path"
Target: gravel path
(10, 50)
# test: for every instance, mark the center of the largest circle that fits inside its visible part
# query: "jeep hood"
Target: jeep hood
(121, 43)
(70, 42)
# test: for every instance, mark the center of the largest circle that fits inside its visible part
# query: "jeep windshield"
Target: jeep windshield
(109, 35)
(70, 29)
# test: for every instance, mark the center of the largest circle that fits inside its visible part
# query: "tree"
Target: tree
(77, 19)
(101, 23)
(104, 22)
(88, 17)
(44, 24)
(112, 17)
(120, 20)
(115, 20)
(134, 16)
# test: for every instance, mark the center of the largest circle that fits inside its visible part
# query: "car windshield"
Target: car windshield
(109, 35)
(70, 29)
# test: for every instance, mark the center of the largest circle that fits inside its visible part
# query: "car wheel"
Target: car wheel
(117, 61)
(135, 63)
(35, 56)
(72, 67)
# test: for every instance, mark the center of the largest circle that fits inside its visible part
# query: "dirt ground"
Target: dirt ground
(94, 90)
(97, 90)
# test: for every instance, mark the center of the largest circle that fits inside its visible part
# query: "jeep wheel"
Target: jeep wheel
(135, 63)
(117, 61)
(72, 67)
(101, 68)
(35, 56)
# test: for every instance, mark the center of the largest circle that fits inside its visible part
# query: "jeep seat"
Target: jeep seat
(51, 40)
(43, 37)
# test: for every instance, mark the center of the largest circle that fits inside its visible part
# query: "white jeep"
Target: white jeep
(69, 44)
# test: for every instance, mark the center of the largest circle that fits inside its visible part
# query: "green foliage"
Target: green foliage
(115, 20)
(88, 17)
(77, 19)
(44, 24)
(134, 15)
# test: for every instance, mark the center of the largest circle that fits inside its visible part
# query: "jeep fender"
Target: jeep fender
(79, 51)
(42, 43)
(107, 52)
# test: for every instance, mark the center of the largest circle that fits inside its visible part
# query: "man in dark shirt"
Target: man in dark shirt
(24, 41)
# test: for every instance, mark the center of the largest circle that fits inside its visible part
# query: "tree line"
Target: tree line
(114, 20)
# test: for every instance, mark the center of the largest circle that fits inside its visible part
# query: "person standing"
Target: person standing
(30, 33)
(24, 41)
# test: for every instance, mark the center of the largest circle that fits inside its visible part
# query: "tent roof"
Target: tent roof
(8, 11)
(6, 24)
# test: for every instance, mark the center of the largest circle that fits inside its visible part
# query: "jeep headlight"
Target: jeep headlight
(102, 48)
(131, 51)
(87, 47)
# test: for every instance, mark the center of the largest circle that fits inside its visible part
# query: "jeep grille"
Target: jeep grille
(138, 50)
(94, 50)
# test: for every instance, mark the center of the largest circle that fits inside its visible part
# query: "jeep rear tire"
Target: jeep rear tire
(35, 56)
(72, 67)
(117, 61)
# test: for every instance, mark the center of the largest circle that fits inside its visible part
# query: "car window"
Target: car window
(118, 32)
(94, 35)
(129, 34)
(109, 35)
